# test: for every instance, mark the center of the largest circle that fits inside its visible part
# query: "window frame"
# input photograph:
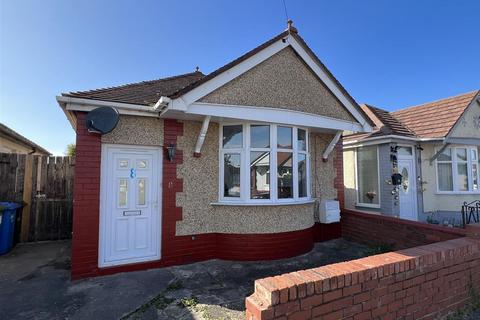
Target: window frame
(361, 204)
(454, 163)
(245, 153)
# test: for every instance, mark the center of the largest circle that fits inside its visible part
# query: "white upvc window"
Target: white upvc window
(263, 164)
(367, 176)
(457, 170)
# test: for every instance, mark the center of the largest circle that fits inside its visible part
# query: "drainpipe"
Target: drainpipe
(201, 137)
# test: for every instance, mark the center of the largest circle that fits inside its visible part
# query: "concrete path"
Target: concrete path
(35, 284)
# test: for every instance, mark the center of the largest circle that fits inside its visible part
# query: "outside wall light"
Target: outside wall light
(170, 152)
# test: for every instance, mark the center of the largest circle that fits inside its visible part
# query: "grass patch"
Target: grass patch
(188, 302)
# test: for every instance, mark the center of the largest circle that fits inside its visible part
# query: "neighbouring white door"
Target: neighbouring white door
(130, 205)
(408, 189)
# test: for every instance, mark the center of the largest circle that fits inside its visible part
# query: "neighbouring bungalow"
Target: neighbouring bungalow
(13, 142)
(434, 147)
(234, 165)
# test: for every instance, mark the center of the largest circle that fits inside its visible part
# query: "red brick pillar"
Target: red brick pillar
(86, 202)
(338, 181)
(473, 231)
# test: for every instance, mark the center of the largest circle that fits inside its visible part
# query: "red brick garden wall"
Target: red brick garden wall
(374, 229)
(419, 283)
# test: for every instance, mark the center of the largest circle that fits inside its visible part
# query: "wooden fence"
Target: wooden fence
(45, 185)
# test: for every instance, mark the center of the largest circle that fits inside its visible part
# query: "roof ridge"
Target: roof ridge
(229, 65)
(137, 83)
(437, 101)
(389, 125)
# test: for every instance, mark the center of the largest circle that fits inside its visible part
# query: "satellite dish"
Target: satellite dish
(102, 120)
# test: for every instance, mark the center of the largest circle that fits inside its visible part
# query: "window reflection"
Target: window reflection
(232, 137)
(284, 175)
(231, 175)
(259, 136)
(284, 137)
(259, 175)
(302, 175)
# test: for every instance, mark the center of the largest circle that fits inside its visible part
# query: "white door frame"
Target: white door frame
(414, 175)
(103, 204)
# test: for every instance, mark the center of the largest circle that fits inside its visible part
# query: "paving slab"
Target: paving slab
(35, 284)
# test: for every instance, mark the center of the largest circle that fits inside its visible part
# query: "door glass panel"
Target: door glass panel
(260, 136)
(259, 175)
(231, 170)
(123, 163)
(232, 137)
(404, 151)
(284, 137)
(302, 175)
(141, 192)
(142, 164)
(474, 155)
(285, 175)
(122, 192)
(405, 180)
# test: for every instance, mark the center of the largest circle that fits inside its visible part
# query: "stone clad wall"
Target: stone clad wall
(419, 283)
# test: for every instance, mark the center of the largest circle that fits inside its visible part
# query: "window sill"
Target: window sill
(367, 205)
(473, 193)
(261, 204)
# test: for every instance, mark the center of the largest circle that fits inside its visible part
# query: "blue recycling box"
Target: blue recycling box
(8, 212)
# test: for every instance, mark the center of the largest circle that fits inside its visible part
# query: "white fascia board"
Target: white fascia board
(69, 114)
(182, 102)
(329, 83)
(85, 105)
(464, 141)
(386, 139)
(272, 115)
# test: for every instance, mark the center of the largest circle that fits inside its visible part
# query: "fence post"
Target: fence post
(27, 198)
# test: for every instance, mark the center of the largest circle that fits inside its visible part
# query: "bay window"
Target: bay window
(457, 169)
(367, 177)
(263, 163)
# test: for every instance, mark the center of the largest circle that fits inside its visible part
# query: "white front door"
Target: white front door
(408, 189)
(130, 205)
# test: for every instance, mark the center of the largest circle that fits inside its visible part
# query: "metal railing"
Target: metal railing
(471, 211)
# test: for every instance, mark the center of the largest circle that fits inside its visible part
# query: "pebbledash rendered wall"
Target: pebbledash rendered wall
(424, 282)
(185, 235)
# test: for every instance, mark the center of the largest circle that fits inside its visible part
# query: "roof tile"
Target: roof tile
(435, 119)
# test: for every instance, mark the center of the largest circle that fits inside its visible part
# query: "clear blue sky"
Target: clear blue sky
(390, 54)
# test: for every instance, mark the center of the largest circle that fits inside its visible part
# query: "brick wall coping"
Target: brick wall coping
(455, 231)
(338, 287)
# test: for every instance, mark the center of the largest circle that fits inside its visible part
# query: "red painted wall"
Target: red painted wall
(175, 249)
(86, 201)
